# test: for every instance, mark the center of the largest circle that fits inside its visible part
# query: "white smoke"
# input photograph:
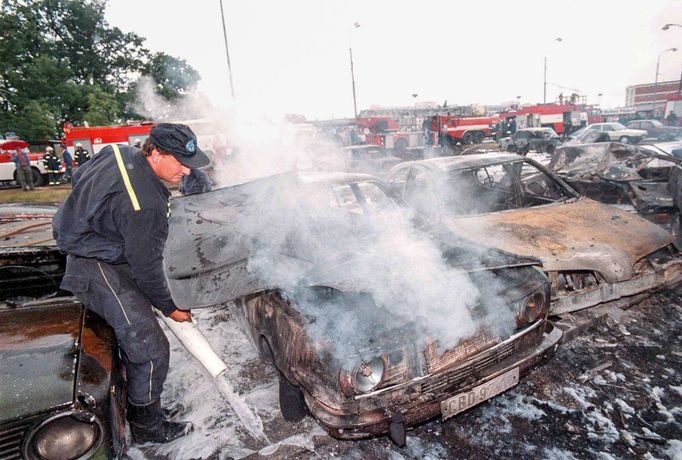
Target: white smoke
(318, 234)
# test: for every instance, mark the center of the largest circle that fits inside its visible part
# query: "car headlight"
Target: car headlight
(531, 308)
(367, 375)
(64, 437)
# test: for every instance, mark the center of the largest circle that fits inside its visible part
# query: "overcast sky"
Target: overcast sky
(292, 56)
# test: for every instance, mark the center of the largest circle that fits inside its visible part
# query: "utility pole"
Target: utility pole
(227, 51)
(352, 76)
(544, 80)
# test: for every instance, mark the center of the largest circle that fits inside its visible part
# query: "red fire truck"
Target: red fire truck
(455, 130)
(96, 138)
(386, 133)
(553, 116)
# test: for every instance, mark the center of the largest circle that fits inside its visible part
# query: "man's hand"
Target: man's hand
(181, 316)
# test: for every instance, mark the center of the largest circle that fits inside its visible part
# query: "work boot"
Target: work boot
(147, 424)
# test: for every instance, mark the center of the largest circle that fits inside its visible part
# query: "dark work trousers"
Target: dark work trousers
(110, 291)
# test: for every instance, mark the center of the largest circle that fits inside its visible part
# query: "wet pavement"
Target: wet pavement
(613, 391)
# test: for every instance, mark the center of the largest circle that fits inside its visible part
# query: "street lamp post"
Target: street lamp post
(352, 74)
(658, 61)
(227, 51)
(667, 27)
(544, 85)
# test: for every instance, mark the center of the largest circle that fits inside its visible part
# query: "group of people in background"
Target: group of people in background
(53, 165)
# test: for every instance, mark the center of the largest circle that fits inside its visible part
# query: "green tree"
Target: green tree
(63, 56)
(36, 121)
(173, 76)
(102, 107)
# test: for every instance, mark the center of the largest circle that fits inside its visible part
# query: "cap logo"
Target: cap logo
(190, 146)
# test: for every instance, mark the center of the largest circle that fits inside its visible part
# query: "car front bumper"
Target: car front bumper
(666, 275)
(412, 405)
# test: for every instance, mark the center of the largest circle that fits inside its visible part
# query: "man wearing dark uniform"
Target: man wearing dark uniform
(81, 155)
(52, 165)
(113, 226)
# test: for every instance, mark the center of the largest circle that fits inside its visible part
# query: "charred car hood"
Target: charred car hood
(582, 235)
(39, 352)
(208, 258)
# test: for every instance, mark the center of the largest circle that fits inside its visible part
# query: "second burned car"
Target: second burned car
(592, 253)
(321, 286)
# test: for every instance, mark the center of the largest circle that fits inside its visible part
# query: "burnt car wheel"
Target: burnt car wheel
(291, 401)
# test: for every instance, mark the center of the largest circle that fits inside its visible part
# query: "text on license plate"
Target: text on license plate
(464, 401)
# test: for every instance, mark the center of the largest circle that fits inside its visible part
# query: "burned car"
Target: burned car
(61, 391)
(592, 253)
(537, 139)
(374, 320)
(635, 177)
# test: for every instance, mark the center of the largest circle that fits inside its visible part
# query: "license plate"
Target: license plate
(463, 401)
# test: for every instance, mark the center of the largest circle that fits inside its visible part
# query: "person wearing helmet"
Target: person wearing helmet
(81, 155)
(52, 166)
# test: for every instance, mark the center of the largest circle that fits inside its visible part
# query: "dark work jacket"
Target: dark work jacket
(98, 221)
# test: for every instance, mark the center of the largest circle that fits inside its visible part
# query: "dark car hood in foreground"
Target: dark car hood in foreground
(38, 357)
(207, 254)
(583, 235)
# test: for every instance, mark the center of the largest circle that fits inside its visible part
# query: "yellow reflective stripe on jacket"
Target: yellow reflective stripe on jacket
(126, 179)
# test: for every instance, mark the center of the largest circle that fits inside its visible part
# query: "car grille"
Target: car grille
(435, 362)
(11, 439)
(458, 376)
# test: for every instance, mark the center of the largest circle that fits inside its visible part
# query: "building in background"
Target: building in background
(651, 97)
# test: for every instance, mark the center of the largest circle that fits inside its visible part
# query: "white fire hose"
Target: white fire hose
(198, 346)
(196, 343)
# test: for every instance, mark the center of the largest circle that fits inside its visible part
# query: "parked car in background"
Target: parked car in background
(587, 136)
(61, 390)
(360, 365)
(618, 132)
(655, 128)
(592, 253)
(537, 139)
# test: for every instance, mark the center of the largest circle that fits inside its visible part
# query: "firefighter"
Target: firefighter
(81, 155)
(113, 227)
(52, 166)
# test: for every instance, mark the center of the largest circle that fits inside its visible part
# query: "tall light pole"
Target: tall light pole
(544, 85)
(667, 27)
(352, 72)
(658, 61)
(227, 51)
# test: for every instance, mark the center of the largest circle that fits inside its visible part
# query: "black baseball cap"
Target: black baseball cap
(181, 142)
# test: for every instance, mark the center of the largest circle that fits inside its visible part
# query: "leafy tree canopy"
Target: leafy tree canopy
(60, 60)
